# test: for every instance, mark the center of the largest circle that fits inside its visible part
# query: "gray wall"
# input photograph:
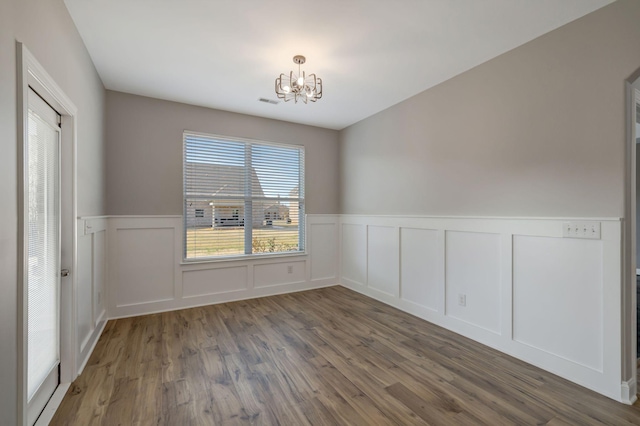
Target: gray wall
(144, 152)
(48, 32)
(538, 131)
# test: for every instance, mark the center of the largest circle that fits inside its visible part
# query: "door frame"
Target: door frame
(629, 247)
(31, 73)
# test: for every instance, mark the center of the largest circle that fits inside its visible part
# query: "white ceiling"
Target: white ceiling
(370, 54)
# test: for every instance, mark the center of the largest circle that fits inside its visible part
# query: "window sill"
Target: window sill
(243, 258)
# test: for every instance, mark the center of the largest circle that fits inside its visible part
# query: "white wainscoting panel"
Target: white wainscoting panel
(354, 253)
(99, 272)
(145, 261)
(421, 267)
(383, 263)
(90, 286)
(473, 273)
(551, 301)
(558, 282)
(323, 242)
(206, 282)
(147, 273)
(84, 294)
(273, 274)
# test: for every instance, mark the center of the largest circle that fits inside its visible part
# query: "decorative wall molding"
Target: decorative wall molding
(147, 274)
(91, 314)
(526, 291)
(514, 284)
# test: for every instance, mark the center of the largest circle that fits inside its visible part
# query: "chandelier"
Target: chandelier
(299, 87)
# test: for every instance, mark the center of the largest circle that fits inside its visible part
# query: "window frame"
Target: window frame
(302, 237)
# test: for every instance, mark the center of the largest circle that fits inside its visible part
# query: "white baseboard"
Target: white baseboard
(95, 336)
(154, 308)
(628, 391)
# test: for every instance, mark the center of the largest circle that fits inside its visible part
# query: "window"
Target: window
(241, 197)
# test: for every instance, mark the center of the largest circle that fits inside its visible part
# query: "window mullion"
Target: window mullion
(301, 210)
(248, 202)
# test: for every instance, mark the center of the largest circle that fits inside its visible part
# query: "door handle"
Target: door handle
(64, 273)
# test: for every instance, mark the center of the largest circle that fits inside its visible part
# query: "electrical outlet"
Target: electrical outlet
(581, 229)
(290, 269)
(462, 299)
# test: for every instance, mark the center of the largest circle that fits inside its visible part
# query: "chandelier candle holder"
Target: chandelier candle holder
(299, 86)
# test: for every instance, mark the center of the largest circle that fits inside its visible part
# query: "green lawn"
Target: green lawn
(205, 242)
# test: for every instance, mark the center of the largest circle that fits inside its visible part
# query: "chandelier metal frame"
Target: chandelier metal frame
(299, 86)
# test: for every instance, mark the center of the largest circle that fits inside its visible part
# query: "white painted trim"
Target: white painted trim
(91, 224)
(22, 112)
(629, 244)
(31, 73)
(136, 216)
(244, 257)
(629, 390)
(526, 218)
(95, 336)
(225, 298)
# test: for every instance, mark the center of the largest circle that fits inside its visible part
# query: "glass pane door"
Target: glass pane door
(43, 276)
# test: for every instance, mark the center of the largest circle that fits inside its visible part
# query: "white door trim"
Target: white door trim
(629, 247)
(31, 73)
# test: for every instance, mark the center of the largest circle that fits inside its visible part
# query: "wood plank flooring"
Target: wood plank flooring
(320, 357)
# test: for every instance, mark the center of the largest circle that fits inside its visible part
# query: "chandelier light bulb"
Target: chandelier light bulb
(286, 89)
(300, 81)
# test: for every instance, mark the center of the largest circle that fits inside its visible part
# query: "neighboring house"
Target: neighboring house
(214, 180)
(199, 214)
(276, 212)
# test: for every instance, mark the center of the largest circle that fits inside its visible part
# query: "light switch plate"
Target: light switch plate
(581, 229)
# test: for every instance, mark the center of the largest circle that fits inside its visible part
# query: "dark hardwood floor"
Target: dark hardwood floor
(320, 357)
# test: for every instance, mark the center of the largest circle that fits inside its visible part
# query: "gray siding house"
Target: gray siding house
(214, 195)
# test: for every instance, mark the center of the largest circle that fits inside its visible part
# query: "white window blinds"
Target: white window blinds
(241, 197)
(43, 244)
